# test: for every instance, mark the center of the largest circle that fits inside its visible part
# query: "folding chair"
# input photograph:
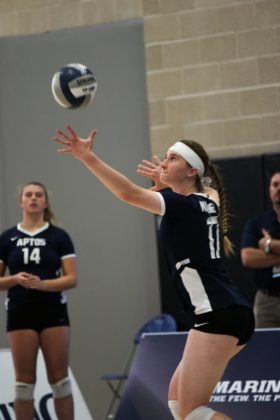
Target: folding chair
(160, 323)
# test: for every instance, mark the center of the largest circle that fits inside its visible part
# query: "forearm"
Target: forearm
(113, 180)
(275, 247)
(256, 258)
(116, 182)
(57, 285)
(6, 282)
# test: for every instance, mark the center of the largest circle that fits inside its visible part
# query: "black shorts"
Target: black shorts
(37, 316)
(237, 321)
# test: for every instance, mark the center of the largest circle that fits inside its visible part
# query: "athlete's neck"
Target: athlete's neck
(32, 224)
(185, 191)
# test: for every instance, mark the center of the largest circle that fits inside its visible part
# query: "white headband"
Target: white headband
(189, 155)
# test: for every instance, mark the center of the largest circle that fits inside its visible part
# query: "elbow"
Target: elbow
(245, 262)
(132, 195)
(245, 259)
(123, 196)
(73, 283)
(126, 197)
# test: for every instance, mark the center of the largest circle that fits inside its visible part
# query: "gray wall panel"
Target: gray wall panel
(117, 257)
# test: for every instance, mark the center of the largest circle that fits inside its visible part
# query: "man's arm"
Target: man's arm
(274, 246)
(257, 258)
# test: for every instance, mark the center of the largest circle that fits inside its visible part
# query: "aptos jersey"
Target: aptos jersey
(190, 235)
(39, 253)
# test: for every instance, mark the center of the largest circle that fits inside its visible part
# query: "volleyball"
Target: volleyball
(74, 86)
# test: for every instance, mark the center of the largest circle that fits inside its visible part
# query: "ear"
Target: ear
(192, 172)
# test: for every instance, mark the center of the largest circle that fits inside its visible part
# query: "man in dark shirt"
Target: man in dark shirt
(260, 250)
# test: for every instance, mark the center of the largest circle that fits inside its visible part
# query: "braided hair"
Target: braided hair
(212, 171)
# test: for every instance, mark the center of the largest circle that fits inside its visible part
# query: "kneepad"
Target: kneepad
(62, 388)
(201, 413)
(24, 391)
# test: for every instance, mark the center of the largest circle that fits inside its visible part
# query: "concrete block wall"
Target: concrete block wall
(212, 66)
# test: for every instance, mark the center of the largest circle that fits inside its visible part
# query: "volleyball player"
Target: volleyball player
(194, 219)
(42, 265)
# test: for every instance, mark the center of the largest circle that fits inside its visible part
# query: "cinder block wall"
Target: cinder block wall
(212, 66)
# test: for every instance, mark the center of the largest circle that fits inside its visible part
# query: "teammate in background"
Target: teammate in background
(260, 250)
(42, 265)
(189, 230)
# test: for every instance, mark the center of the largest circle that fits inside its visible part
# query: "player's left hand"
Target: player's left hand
(151, 170)
(34, 282)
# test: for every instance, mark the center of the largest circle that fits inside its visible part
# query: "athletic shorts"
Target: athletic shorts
(237, 321)
(37, 316)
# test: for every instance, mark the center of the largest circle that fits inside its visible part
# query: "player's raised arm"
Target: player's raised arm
(115, 181)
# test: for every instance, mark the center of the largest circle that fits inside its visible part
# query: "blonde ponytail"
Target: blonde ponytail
(224, 224)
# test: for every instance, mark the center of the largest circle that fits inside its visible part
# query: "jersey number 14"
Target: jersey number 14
(31, 255)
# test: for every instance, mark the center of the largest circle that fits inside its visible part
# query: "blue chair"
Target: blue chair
(158, 324)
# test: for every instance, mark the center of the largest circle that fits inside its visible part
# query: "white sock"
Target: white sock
(173, 407)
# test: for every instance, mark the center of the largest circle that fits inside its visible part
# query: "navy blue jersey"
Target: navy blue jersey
(39, 253)
(190, 235)
(266, 278)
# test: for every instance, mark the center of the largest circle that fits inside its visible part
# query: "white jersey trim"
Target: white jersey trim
(183, 262)
(33, 233)
(68, 256)
(162, 204)
(63, 297)
(194, 286)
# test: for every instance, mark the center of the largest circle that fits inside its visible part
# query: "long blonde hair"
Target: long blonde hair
(48, 213)
(212, 171)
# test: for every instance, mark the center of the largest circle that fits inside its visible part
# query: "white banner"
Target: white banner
(43, 393)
